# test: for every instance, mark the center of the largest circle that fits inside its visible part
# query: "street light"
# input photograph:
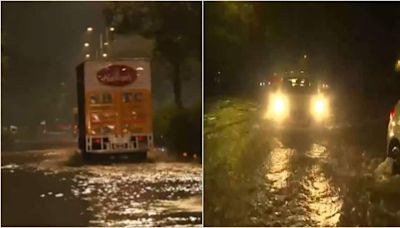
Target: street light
(101, 48)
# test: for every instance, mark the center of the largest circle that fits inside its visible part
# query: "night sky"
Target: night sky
(355, 45)
(361, 38)
(43, 43)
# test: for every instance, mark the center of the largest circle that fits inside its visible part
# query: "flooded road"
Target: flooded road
(255, 176)
(55, 188)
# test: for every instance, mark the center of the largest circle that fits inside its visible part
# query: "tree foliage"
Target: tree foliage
(4, 58)
(175, 27)
(227, 40)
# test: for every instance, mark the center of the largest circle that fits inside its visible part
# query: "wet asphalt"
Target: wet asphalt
(257, 176)
(253, 176)
(54, 187)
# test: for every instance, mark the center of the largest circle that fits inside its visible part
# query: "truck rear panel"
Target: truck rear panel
(114, 106)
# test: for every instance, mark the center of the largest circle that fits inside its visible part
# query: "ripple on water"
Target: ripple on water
(140, 194)
(129, 194)
(322, 197)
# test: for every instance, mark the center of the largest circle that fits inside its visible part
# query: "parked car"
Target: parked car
(393, 137)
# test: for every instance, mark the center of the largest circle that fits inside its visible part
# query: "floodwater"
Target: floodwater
(257, 176)
(55, 188)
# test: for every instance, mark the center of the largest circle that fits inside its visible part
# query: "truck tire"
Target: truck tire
(88, 158)
(138, 156)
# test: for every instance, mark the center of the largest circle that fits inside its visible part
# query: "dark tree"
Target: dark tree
(4, 58)
(226, 40)
(175, 27)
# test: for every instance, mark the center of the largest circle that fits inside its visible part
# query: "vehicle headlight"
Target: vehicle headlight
(320, 107)
(278, 107)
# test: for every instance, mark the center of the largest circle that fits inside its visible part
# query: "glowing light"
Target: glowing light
(319, 107)
(104, 55)
(87, 56)
(106, 44)
(86, 44)
(89, 29)
(278, 107)
(112, 29)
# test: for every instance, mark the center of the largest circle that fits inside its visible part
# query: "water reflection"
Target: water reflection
(322, 197)
(278, 167)
(141, 195)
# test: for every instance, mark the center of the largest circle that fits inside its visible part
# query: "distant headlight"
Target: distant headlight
(278, 107)
(320, 107)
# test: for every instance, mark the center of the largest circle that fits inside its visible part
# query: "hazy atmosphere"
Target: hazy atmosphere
(43, 42)
(101, 114)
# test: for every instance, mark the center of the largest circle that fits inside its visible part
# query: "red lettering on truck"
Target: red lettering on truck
(117, 75)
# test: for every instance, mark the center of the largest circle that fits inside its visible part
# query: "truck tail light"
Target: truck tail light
(96, 144)
(142, 138)
(391, 115)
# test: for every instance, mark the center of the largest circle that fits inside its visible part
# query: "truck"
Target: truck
(114, 111)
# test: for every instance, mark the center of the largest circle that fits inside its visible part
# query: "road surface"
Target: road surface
(257, 177)
(53, 187)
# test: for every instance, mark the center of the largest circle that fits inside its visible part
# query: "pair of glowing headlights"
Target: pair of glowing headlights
(279, 107)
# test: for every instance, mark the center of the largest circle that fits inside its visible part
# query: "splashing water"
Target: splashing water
(384, 170)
